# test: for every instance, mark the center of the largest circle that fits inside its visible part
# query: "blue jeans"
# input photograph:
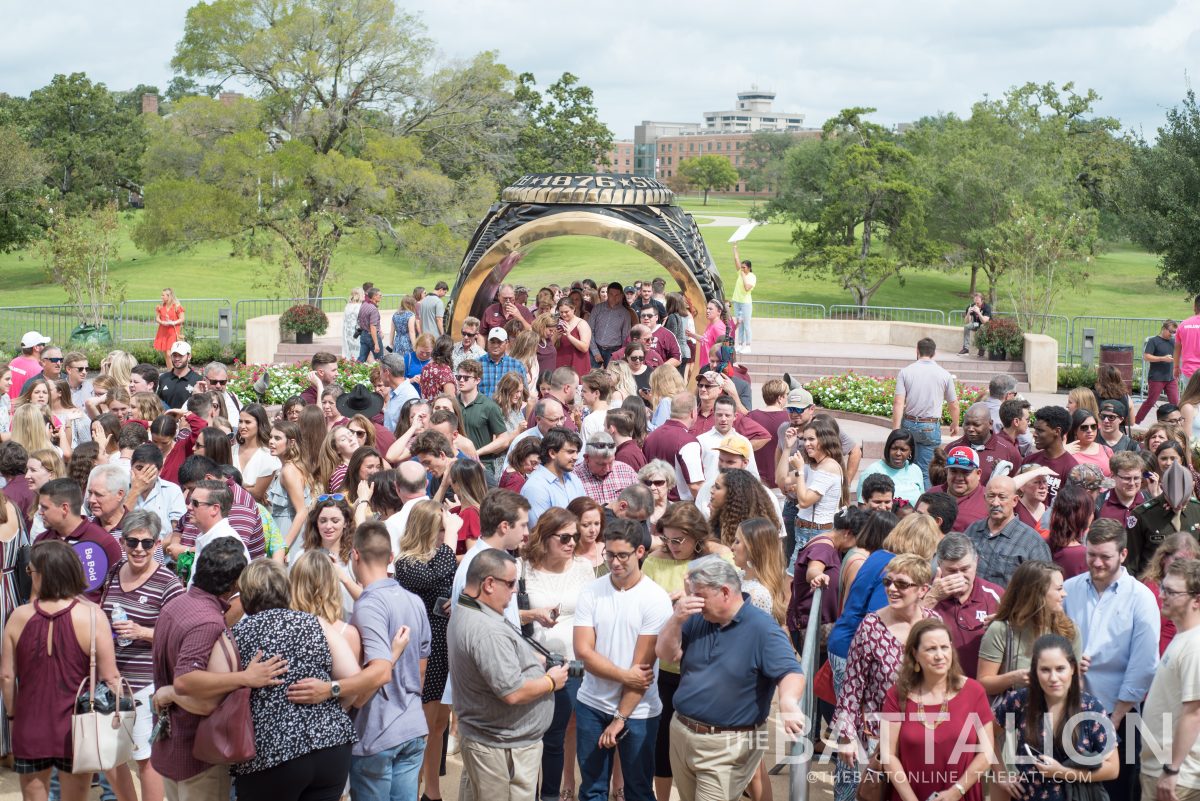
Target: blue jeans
(554, 740)
(742, 313)
(391, 775)
(803, 535)
(928, 437)
(364, 348)
(789, 525)
(595, 763)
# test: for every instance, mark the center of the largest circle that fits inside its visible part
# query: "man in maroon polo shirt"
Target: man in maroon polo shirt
(710, 386)
(324, 372)
(675, 445)
(660, 339)
(962, 484)
(963, 601)
(506, 308)
(619, 424)
(1126, 495)
(991, 448)
(59, 502)
(771, 416)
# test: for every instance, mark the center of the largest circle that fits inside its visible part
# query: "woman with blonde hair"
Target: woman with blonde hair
(524, 348)
(1032, 605)
(146, 405)
(47, 465)
(1082, 398)
(119, 366)
(425, 567)
(102, 385)
(511, 395)
(756, 552)
(466, 478)
(329, 529)
(339, 445)
(350, 324)
(665, 383)
(170, 318)
(623, 384)
(31, 428)
(314, 587)
(291, 490)
(814, 475)
(406, 327)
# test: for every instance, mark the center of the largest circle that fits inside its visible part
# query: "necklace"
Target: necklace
(943, 714)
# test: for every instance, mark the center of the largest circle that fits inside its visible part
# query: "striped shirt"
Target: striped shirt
(243, 516)
(142, 604)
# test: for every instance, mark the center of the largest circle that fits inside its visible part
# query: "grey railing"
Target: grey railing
(777, 309)
(893, 314)
(137, 319)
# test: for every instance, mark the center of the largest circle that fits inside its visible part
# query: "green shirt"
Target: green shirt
(483, 420)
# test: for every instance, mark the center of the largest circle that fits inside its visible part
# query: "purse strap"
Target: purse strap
(92, 658)
(1008, 648)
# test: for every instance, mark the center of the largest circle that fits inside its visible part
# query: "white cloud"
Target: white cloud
(651, 59)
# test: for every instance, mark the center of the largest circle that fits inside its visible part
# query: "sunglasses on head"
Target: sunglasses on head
(961, 462)
(132, 543)
(338, 497)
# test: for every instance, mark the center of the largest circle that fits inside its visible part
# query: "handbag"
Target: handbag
(100, 740)
(823, 684)
(226, 736)
(873, 783)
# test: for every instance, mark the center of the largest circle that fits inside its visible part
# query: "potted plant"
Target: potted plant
(305, 320)
(1002, 338)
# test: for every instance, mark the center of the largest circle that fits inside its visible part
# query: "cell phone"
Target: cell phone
(1032, 752)
(162, 728)
(439, 607)
(622, 735)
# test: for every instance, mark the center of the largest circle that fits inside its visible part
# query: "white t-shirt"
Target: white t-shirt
(559, 590)
(395, 526)
(1176, 681)
(262, 463)
(691, 457)
(619, 618)
(221, 529)
(709, 441)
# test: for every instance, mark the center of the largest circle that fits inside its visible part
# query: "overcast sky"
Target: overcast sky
(652, 59)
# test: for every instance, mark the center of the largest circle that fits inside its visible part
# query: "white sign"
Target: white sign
(743, 231)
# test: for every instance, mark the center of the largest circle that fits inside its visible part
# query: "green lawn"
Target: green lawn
(1122, 282)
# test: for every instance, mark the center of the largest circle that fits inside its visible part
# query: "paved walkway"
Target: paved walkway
(719, 221)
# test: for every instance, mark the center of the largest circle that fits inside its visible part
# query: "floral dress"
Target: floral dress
(434, 377)
(401, 342)
(1090, 740)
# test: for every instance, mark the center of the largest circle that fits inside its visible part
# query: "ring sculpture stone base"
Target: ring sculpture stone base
(629, 209)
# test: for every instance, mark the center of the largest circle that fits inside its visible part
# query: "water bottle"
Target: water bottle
(120, 616)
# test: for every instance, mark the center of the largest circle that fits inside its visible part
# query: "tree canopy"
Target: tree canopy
(707, 172)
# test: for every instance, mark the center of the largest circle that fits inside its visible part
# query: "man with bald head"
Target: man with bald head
(412, 486)
(992, 448)
(1002, 541)
(674, 443)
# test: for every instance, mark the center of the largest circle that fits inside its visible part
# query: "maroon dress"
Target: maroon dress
(47, 681)
(569, 356)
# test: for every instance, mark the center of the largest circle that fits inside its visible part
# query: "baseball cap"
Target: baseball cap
(962, 458)
(738, 446)
(32, 339)
(1090, 478)
(180, 347)
(712, 377)
(629, 290)
(1113, 406)
(601, 441)
(799, 398)
(498, 333)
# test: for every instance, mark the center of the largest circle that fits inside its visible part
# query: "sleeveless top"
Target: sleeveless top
(567, 355)
(47, 681)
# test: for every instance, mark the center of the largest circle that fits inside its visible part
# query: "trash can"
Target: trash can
(1120, 357)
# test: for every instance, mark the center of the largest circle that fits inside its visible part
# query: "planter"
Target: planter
(996, 356)
(304, 337)
(86, 334)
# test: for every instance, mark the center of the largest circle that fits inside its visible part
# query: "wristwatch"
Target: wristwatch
(335, 689)
(1170, 771)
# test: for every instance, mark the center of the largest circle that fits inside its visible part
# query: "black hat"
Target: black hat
(1115, 406)
(360, 400)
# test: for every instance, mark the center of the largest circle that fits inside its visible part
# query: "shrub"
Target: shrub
(1071, 376)
(203, 352)
(303, 318)
(286, 380)
(863, 394)
(1001, 335)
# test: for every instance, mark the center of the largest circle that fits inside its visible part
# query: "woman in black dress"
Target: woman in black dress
(426, 568)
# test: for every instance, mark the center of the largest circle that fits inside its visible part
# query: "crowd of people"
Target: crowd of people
(532, 543)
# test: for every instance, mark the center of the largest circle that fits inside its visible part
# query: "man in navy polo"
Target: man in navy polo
(722, 640)
(963, 601)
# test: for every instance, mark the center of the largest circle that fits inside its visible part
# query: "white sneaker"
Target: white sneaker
(745, 349)
(452, 746)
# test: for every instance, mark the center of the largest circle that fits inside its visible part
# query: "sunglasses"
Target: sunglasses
(637, 358)
(675, 540)
(654, 482)
(338, 497)
(899, 584)
(132, 544)
(510, 583)
(704, 386)
(563, 539)
(1087, 427)
(55, 359)
(218, 382)
(796, 410)
(194, 503)
(358, 433)
(462, 377)
(618, 557)
(1109, 417)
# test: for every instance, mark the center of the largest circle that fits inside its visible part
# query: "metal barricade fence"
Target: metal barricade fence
(896, 314)
(777, 309)
(55, 321)
(1131, 331)
(137, 319)
(1052, 325)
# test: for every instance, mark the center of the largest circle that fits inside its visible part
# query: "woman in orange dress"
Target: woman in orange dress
(170, 319)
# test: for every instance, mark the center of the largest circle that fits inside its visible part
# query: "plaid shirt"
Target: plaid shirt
(1001, 553)
(243, 516)
(493, 371)
(605, 490)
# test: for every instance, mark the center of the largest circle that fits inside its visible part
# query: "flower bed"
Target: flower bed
(866, 394)
(287, 380)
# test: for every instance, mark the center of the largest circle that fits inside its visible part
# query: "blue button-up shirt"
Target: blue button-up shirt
(493, 371)
(395, 402)
(543, 489)
(1119, 629)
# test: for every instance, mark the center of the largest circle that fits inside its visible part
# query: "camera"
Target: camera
(553, 660)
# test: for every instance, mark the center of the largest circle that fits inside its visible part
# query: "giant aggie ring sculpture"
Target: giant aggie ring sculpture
(629, 209)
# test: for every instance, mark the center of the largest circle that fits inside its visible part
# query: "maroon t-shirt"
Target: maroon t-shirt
(98, 552)
(971, 507)
(631, 454)
(818, 549)
(968, 621)
(1061, 466)
(764, 457)
(23, 497)
(1072, 560)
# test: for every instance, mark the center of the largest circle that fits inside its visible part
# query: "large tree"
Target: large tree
(1163, 197)
(707, 172)
(860, 214)
(23, 201)
(348, 133)
(561, 130)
